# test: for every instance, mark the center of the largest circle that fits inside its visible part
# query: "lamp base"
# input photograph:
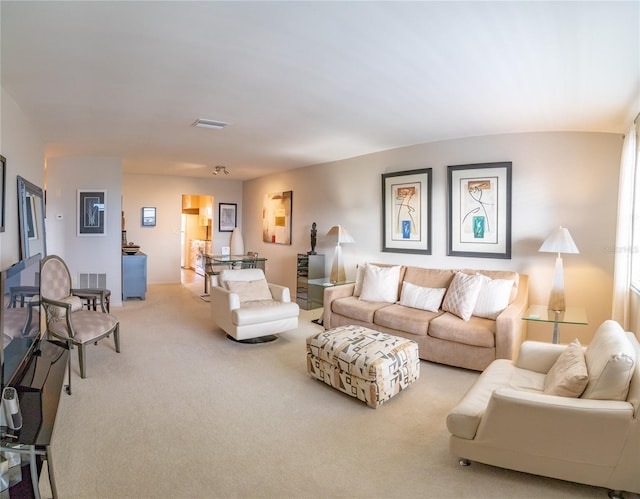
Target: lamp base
(337, 267)
(556, 298)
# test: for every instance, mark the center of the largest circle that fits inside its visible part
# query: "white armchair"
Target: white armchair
(249, 309)
(509, 419)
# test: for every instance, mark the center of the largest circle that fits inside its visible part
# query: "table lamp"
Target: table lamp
(340, 235)
(559, 241)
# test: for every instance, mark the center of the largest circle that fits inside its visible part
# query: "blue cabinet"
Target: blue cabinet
(134, 276)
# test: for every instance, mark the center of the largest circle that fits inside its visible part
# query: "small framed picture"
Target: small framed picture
(148, 216)
(227, 217)
(92, 210)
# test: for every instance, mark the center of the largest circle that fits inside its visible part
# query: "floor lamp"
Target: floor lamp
(559, 241)
(340, 235)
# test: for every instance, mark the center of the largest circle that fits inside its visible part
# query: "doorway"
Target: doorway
(196, 235)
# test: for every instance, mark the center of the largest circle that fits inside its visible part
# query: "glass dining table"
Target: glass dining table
(213, 264)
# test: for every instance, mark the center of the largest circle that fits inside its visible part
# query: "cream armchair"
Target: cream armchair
(249, 309)
(506, 419)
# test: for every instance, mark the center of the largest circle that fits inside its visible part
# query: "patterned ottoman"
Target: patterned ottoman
(363, 363)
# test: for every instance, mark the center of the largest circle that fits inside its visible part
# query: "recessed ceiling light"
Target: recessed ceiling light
(204, 123)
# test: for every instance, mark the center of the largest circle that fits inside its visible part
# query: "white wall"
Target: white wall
(567, 179)
(24, 152)
(85, 254)
(162, 242)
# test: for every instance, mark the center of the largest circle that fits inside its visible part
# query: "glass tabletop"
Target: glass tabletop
(326, 282)
(541, 313)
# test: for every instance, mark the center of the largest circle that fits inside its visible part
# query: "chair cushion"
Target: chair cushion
(610, 359)
(462, 295)
(250, 290)
(259, 312)
(568, 376)
(87, 324)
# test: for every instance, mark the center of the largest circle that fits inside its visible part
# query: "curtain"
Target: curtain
(622, 250)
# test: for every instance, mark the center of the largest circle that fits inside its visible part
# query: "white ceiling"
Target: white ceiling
(303, 83)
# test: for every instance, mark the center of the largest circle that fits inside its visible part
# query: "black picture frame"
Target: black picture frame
(479, 210)
(3, 190)
(92, 212)
(227, 217)
(406, 211)
(148, 216)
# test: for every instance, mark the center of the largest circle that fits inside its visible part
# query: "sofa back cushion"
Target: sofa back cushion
(610, 359)
(429, 278)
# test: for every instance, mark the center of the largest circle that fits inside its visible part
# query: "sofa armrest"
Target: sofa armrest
(509, 324)
(543, 425)
(538, 356)
(332, 293)
(280, 293)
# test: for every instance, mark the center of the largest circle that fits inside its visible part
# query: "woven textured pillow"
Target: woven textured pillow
(420, 297)
(568, 376)
(250, 290)
(462, 295)
(380, 284)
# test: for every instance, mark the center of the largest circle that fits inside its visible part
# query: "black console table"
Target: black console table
(39, 386)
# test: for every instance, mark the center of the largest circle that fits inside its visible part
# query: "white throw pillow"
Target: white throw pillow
(568, 376)
(610, 359)
(462, 295)
(493, 297)
(419, 297)
(250, 290)
(380, 284)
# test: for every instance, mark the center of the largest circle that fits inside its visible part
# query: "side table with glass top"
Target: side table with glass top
(541, 313)
(316, 292)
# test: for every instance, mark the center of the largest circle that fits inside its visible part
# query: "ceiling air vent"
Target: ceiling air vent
(204, 123)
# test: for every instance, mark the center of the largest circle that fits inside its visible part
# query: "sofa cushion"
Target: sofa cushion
(419, 297)
(462, 295)
(476, 331)
(493, 297)
(568, 376)
(610, 359)
(250, 290)
(380, 284)
(409, 320)
(357, 309)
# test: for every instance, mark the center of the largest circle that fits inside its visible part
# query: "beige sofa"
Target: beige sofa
(441, 336)
(511, 417)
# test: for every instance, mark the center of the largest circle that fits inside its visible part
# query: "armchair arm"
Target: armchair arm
(280, 293)
(333, 293)
(573, 429)
(509, 324)
(538, 356)
(223, 302)
(53, 317)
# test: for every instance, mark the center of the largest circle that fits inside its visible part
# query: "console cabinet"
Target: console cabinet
(134, 276)
(308, 267)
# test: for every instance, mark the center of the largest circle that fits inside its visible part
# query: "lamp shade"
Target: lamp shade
(339, 234)
(559, 241)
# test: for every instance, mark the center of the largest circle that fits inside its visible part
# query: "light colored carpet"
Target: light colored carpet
(183, 412)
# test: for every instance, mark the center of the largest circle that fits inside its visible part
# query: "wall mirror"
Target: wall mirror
(31, 219)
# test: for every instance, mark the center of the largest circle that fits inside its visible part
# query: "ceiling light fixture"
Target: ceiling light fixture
(205, 123)
(222, 169)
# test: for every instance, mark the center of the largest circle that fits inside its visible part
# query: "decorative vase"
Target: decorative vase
(236, 244)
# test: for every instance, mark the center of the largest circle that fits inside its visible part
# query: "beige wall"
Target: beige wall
(24, 152)
(567, 179)
(162, 242)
